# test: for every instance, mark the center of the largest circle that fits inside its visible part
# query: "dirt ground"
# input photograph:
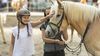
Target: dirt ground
(4, 48)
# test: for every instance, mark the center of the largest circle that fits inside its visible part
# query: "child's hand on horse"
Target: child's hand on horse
(51, 14)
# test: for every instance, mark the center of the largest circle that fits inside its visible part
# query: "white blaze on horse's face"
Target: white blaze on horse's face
(58, 13)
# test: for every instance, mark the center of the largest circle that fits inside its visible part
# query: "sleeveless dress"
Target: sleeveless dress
(24, 46)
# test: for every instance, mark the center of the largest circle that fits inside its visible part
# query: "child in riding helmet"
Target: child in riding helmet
(21, 38)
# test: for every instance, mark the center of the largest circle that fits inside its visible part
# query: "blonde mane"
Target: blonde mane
(79, 11)
(76, 11)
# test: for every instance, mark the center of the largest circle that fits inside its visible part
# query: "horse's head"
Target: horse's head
(58, 20)
(58, 8)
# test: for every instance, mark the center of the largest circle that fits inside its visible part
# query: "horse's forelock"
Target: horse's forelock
(54, 7)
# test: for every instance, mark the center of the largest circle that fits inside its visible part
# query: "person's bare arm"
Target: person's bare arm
(41, 20)
(57, 41)
(64, 38)
(65, 35)
(11, 45)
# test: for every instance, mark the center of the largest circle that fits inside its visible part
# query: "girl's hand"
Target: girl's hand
(51, 14)
(59, 42)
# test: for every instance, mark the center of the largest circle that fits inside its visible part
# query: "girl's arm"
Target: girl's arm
(64, 38)
(41, 20)
(65, 34)
(11, 45)
(57, 41)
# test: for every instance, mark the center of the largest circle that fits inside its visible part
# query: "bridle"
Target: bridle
(58, 25)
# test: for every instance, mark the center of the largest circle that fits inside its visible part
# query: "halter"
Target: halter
(57, 34)
(58, 25)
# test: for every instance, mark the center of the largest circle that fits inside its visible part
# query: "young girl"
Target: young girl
(21, 38)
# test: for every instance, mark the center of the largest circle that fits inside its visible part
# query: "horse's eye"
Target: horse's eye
(58, 15)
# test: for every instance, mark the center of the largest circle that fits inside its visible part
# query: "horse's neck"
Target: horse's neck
(79, 26)
(78, 15)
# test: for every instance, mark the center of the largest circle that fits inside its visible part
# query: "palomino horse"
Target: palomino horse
(84, 18)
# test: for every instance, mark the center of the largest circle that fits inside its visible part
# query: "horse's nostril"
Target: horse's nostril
(58, 16)
(48, 32)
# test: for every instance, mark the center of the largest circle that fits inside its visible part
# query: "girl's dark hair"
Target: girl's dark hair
(28, 30)
(19, 30)
(21, 13)
(45, 12)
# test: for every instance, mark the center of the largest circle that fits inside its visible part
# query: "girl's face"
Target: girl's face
(25, 19)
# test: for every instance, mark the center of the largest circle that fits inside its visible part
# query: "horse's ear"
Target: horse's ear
(59, 4)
